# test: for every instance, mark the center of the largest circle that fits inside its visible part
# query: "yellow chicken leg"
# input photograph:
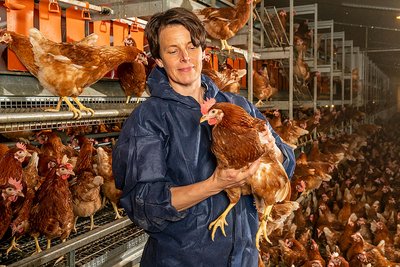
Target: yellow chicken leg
(13, 245)
(259, 103)
(220, 222)
(117, 215)
(225, 45)
(262, 229)
(92, 225)
(38, 249)
(128, 98)
(48, 243)
(57, 108)
(77, 113)
(82, 107)
(75, 221)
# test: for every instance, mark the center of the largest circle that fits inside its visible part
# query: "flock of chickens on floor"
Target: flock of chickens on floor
(347, 188)
(344, 192)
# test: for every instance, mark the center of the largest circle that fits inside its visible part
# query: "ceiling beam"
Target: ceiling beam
(383, 8)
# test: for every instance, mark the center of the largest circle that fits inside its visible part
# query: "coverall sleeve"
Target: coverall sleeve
(139, 168)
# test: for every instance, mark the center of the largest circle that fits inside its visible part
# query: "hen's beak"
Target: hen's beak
(20, 194)
(204, 118)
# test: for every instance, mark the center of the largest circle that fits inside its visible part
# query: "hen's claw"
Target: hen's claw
(13, 245)
(220, 221)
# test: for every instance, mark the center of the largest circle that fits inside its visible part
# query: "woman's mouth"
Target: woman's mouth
(187, 69)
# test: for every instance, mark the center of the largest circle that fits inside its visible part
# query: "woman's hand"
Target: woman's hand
(228, 178)
(184, 197)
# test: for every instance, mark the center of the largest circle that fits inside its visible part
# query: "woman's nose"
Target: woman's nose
(185, 55)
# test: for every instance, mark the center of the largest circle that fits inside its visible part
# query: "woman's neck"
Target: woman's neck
(197, 93)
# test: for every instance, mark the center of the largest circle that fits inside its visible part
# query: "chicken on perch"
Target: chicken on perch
(223, 23)
(66, 69)
(240, 139)
(22, 47)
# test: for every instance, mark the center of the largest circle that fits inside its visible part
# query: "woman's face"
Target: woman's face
(180, 58)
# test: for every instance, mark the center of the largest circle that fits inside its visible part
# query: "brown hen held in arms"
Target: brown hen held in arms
(238, 140)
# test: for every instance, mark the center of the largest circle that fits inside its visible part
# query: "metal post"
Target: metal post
(250, 57)
(291, 33)
(315, 98)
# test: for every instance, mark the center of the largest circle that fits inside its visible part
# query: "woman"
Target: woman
(163, 163)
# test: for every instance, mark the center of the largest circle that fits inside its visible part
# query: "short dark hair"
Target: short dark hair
(177, 15)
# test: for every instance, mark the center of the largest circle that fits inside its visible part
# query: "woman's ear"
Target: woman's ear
(203, 56)
(159, 63)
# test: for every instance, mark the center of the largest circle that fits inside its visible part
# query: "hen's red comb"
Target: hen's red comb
(69, 166)
(205, 107)
(17, 184)
(21, 146)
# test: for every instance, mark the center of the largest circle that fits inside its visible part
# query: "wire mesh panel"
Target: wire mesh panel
(29, 113)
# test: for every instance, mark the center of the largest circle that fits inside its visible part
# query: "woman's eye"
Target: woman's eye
(172, 52)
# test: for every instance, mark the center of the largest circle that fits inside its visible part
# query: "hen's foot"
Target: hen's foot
(262, 229)
(220, 222)
(82, 107)
(259, 103)
(13, 246)
(117, 211)
(225, 46)
(38, 249)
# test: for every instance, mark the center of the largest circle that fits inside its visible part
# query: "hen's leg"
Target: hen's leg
(220, 221)
(13, 245)
(259, 103)
(117, 215)
(226, 46)
(82, 107)
(48, 243)
(128, 98)
(262, 229)
(75, 111)
(234, 196)
(57, 108)
(38, 249)
(92, 225)
(75, 221)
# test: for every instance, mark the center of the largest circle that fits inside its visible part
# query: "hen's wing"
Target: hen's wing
(218, 14)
